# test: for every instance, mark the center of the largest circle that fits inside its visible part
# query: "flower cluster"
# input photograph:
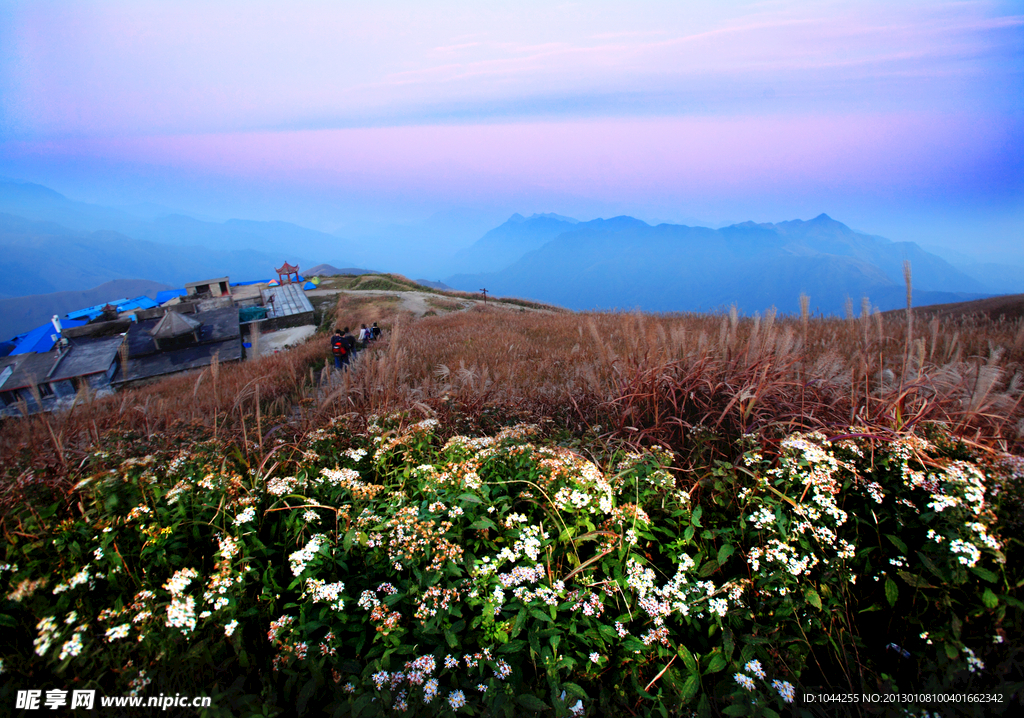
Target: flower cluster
(303, 556)
(322, 592)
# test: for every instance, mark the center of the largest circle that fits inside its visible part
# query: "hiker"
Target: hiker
(350, 344)
(342, 347)
(375, 331)
(365, 336)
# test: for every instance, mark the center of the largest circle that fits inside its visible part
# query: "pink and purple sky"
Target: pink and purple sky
(900, 119)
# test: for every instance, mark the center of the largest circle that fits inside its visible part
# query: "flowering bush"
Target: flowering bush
(388, 571)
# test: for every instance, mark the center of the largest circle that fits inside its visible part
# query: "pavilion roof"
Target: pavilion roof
(174, 324)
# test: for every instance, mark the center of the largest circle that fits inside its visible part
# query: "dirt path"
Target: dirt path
(417, 302)
(281, 339)
(414, 302)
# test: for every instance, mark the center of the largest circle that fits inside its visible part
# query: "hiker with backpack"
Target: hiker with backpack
(375, 332)
(343, 347)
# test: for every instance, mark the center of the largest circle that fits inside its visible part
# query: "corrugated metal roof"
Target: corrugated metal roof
(285, 300)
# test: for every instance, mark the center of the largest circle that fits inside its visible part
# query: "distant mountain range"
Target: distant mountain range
(504, 245)
(50, 243)
(43, 257)
(624, 263)
(279, 240)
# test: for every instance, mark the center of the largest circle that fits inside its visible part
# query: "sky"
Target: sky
(899, 119)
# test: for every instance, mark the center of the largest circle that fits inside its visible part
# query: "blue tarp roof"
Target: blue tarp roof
(142, 302)
(309, 285)
(246, 284)
(123, 305)
(92, 312)
(40, 339)
(169, 294)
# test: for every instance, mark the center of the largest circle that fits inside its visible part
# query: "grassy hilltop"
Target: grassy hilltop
(508, 509)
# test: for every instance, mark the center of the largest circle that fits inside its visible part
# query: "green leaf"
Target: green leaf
(304, 695)
(535, 642)
(483, 523)
(892, 592)
(725, 552)
(520, 622)
(897, 543)
(607, 632)
(914, 580)
(690, 688)
(688, 660)
(532, 703)
(736, 709)
(930, 565)
(989, 599)
(707, 569)
(575, 690)
(951, 651)
(540, 615)
(471, 498)
(695, 516)
(813, 598)
(985, 574)
(632, 643)
(717, 663)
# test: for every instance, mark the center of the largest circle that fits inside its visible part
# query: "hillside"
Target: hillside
(19, 314)
(281, 239)
(329, 270)
(45, 257)
(625, 263)
(1007, 308)
(505, 244)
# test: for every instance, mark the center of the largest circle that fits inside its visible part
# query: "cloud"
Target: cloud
(88, 69)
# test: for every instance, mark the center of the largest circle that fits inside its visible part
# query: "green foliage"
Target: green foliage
(380, 569)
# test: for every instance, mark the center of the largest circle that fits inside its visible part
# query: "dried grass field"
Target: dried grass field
(643, 379)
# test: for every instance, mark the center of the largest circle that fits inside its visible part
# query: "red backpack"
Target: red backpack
(338, 345)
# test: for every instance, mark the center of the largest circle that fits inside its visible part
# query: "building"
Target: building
(176, 340)
(48, 380)
(126, 342)
(207, 288)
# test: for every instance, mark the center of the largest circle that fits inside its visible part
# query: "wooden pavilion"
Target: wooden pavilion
(285, 272)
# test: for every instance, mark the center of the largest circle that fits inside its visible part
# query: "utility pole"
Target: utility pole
(485, 295)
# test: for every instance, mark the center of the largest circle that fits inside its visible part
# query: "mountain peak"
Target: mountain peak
(515, 219)
(552, 215)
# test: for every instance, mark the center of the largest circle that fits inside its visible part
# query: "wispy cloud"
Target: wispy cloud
(128, 67)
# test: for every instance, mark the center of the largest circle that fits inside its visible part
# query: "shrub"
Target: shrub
(377, 569)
